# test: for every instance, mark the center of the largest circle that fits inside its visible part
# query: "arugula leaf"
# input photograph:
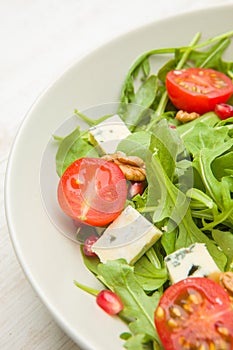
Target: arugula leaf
(72, 147)
(225, 241)
(210, 58)
(211, 148)
(168, 144)
(218, 190)
(204, 136)
(136, 144)
(138, 307)
(174, 205)
(223, 165)
(140, 342)
(91, 263)
(149, 277)
(209, 119)
(142, 100)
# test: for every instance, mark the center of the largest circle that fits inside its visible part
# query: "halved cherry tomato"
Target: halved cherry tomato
(195, 313)
(198, 89)
(93, 191)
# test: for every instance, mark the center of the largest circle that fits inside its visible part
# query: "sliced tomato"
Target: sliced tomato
(198, 89)
(92, 190)
(195, 313)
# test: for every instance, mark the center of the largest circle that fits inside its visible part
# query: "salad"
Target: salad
(150, 190)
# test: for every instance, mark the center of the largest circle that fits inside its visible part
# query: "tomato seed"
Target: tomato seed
(160, 312)
(195, 298)
(223, 331)
(175, 311)
(188, 308)
(221, 344)
(184, 343)
(172, 323)
(212, 346)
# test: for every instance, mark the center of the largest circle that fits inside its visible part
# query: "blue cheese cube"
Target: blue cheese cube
(194, 261)
(128, 237)
(108, 134)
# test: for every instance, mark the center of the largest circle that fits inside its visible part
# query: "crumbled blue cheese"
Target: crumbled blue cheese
(194, 261)
(108, 134)
(128, 237)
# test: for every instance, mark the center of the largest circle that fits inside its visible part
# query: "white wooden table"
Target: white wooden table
(38, 40)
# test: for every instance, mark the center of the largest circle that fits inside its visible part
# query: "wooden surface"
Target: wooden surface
(39, 39)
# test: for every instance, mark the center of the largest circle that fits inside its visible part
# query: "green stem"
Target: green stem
(87, 289)
(218, 220)
(151, 255)
(214, 39)
(158, 114)
(90, 121)
(138, 61)
(58, 138)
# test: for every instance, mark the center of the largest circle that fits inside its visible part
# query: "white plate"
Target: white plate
(50, 260)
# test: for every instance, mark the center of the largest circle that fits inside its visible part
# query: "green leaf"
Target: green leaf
(138, 307)
(210, 58)
(71, 148)
(138, 342)
(167, 144)
(209, 119)
(149, 277)
(224, 239)
(169, 65)
(146, 67)
(204, 136)
(217, 190)
(136, 144)
(91, 263)
(141, 101)
(223, 165)
(173, 205)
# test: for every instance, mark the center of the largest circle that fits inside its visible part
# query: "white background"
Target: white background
(39, 39)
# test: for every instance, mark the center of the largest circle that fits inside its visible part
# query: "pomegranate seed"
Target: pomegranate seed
(224, 111)
(109, 302)
(135, 188)
(88, 244)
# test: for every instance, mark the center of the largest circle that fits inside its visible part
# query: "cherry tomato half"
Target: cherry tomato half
(198, 89)
(93, 191)
(195, 313)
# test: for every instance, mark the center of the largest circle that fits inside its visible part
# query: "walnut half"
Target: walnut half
(185, 117)
(226, 280)
(132, 167)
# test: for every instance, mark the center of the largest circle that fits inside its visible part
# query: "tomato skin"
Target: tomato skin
(92, 191)
(198, 89)
(195, 313)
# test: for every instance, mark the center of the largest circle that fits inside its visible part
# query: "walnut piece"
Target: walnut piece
(226, 280)
(132, 167)
(185, 117)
